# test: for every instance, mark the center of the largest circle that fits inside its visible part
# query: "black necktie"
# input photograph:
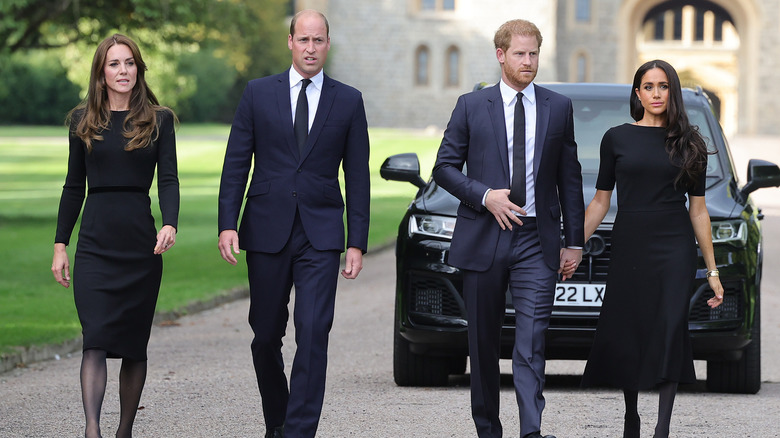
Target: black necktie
(301, 125)
(517, 190)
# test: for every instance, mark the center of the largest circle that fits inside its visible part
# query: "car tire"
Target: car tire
(741, 376)
(410, 369)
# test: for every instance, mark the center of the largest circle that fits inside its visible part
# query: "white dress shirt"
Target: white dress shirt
(313, 92)
(509, 97)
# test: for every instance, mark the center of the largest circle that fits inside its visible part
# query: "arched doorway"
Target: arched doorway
(710, 43)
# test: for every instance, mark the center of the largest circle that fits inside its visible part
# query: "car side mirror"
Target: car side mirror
(402, 167)
(761, 174)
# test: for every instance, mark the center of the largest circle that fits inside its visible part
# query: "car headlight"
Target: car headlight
(733, 231)
(431, 225)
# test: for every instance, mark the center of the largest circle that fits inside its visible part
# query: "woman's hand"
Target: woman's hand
(717, 300)
(60, 266)
(166, 238)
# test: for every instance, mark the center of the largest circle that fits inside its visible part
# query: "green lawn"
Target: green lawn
(36, 310)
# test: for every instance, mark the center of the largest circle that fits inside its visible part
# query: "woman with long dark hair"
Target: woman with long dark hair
(118, 136)
(659, 162)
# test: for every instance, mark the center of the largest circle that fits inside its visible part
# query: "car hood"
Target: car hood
(435, 200)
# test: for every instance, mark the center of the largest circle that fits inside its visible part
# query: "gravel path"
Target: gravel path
(201, 382)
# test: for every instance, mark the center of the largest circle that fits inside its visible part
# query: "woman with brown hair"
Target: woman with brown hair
(118, 135)
(658, 163)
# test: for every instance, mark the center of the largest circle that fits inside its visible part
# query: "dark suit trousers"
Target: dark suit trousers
(519, 265)
(271, 277)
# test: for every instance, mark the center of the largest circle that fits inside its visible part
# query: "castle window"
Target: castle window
(422, 62)
(437, 5)
(582, 68)
(582, 10)
(453, 67)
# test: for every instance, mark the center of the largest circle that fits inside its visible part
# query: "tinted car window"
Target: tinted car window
(593, 117)
(714, 169)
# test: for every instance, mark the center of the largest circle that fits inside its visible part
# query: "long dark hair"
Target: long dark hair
(93, 114)
(685, 145)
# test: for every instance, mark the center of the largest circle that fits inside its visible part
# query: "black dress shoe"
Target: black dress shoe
(275, 432)
(538, 435)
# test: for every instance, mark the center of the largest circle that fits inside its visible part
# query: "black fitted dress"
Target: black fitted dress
(642, 337)
(116, 275)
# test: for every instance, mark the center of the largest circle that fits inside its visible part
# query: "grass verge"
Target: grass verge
(34, 310)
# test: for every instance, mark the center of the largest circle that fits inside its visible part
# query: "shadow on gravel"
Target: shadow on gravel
(562, 381)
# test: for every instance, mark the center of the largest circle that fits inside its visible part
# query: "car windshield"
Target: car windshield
(592, 118)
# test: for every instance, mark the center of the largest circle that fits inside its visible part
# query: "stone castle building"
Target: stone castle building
(413, 58)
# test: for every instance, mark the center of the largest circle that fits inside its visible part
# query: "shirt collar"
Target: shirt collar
(508, 93)
(316, 80)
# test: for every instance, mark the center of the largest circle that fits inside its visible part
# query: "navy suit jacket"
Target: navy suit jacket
(284, 180)
(476, 136)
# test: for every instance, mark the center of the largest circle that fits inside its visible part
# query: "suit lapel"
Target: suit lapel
(327, 96)
(496, 110)
(542, 122)
(285, 111)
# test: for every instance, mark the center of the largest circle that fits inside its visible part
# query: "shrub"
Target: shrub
(35, 89)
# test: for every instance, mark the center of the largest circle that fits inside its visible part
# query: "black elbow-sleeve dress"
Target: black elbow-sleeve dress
(642, 337)
(116, 275)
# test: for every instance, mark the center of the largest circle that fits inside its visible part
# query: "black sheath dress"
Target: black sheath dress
(116, 275)
(642, 337)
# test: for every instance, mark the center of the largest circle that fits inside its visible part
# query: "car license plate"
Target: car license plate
(572, 294)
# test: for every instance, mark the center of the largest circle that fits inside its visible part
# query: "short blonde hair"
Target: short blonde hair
(503, 37)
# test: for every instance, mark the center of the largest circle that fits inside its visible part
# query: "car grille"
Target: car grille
(729, 310)
(433, 295)
(595, 258)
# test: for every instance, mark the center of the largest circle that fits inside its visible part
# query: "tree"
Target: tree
(37, 24)
(247, 36)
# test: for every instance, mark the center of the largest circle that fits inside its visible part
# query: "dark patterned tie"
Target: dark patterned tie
(517, 190)
(301, 125)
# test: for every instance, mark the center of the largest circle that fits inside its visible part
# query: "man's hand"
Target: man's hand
(354, 263)
(498, 203)
(228, 239)
(570, 260)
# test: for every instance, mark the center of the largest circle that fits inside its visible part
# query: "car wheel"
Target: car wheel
(410, 369)
(742, 376)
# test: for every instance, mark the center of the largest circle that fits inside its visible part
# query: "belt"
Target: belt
(107, 189)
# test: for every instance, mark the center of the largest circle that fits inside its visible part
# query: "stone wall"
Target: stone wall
(374, 44)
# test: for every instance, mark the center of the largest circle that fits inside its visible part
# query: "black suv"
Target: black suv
(430, 340)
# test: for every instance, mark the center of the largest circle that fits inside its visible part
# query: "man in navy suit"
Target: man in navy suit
(522, 174)
(297, 128)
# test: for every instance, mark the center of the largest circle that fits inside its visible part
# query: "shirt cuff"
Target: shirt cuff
(484, 197)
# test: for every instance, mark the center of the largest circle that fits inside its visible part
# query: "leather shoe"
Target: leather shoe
(275, 432)
(538, 435)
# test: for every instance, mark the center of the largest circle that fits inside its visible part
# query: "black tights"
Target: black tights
(666, 393)
(93, 388)
(132, 376)
(631, 423)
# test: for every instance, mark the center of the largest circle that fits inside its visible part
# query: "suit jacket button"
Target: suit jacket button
(295, 194)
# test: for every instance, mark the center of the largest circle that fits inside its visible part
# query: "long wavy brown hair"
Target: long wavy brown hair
(685, 145)
(93, 114)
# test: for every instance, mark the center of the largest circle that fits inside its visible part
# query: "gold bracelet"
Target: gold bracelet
(713, 273)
